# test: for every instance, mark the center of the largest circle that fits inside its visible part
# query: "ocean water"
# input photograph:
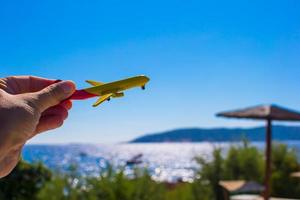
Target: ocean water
(165, 161)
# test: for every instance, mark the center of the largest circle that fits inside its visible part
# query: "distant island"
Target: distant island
(280, 133)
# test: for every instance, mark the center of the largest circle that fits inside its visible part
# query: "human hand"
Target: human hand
(28, 106)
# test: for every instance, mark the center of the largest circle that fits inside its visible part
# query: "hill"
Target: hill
(220, 134)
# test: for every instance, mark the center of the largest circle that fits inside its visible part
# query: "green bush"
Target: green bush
(25, 181)
(210, 174)
(284, 162)
(110, 185)
(244, 163)
(247, 163)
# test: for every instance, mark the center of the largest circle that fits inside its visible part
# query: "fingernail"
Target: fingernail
(68, 87)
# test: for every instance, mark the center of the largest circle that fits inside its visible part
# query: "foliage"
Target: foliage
(24, 182)
(110, 185)
(211, 173)
(244, 163)
(284, 162)
(247, 163)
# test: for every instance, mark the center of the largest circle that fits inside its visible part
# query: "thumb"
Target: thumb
(54, 94)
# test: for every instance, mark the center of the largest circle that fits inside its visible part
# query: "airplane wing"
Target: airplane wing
(102, 99)
(94, 83)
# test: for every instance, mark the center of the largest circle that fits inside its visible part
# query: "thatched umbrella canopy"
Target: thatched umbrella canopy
(295, 174)
(239, 186)
(268, 113)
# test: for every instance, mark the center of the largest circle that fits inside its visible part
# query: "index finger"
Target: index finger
(24, 84)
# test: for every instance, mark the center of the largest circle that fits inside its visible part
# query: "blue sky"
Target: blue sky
(202, 57)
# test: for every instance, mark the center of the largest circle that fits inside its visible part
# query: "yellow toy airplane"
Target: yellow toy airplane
(108, 90)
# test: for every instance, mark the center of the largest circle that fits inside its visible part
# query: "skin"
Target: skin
(29, 106)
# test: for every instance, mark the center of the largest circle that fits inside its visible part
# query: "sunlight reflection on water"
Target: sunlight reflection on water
(165, 161)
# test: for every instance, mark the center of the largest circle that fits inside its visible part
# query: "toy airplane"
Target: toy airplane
(108, 90)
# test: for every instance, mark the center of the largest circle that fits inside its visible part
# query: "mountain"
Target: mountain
(220, 134)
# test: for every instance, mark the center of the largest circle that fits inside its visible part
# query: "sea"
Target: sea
(166, 162)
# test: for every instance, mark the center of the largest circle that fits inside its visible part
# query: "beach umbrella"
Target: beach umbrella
(241, 186)
(267, 113)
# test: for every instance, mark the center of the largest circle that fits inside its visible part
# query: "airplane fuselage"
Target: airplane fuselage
(118, 86)
(108, 90)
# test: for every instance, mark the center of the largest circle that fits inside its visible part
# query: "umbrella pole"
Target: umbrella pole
(268, 159)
